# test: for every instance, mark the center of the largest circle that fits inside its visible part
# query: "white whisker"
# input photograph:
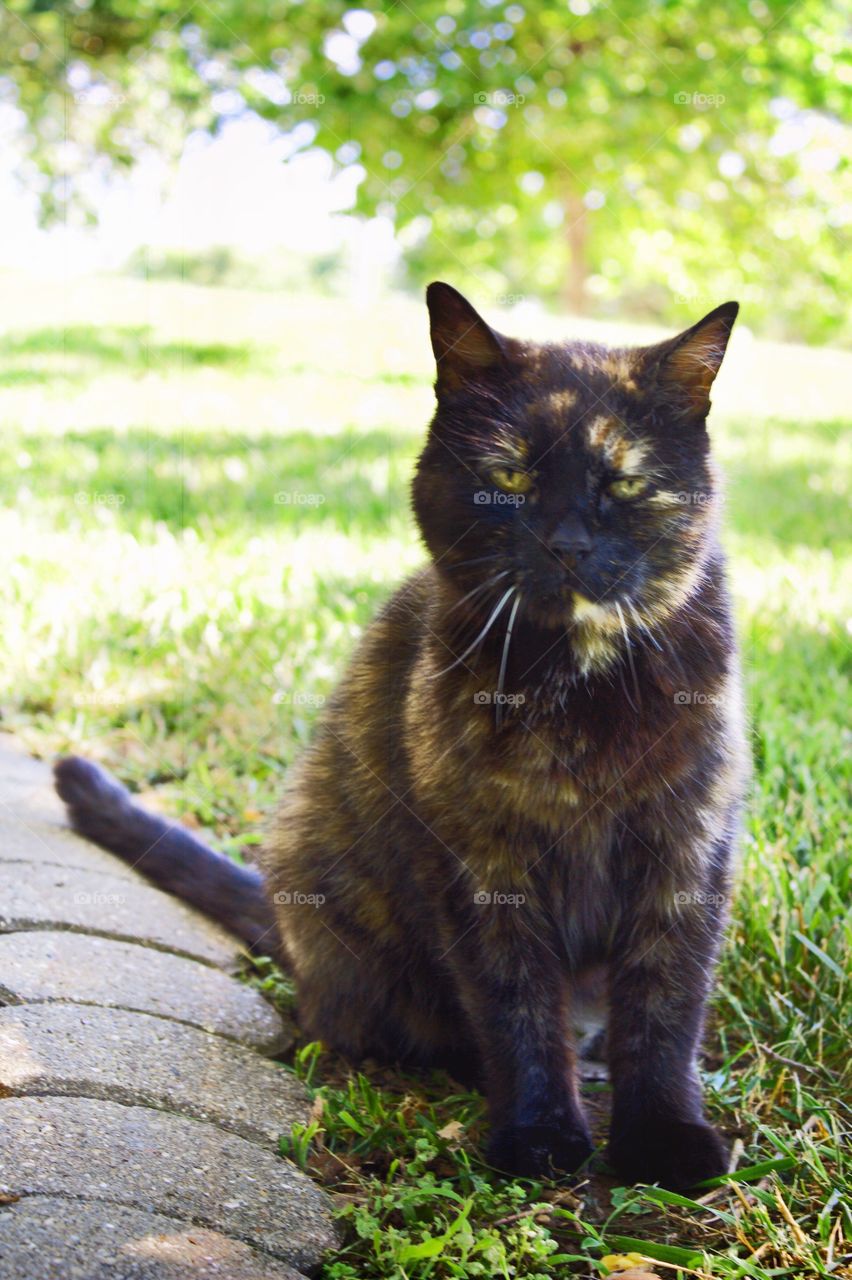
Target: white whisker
(481, 587)
(629, 648)
(458, 564)
(503, 661)
(642, 626)
(483, 633)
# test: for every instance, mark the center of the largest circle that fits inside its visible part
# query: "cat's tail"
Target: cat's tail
(102, 810)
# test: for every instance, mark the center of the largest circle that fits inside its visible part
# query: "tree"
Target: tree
(669, 152)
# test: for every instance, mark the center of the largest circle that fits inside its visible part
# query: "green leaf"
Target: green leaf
(661, 1196)
(752, 1173)
(348, 1118)
(429, 1248)
(651, 1249)
(820, 954)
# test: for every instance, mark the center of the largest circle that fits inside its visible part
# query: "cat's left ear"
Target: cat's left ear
(464, 345)
(686, 366)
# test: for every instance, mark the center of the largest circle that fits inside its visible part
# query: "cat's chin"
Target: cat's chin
(550, 610)
(570, 610)
(550, 620)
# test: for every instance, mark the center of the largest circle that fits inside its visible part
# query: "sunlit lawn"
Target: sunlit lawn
(204, 499)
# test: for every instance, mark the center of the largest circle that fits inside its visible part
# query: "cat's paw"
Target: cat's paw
(674, 1153)
(538, 1151)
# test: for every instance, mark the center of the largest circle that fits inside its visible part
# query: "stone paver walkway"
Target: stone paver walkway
(139, 1119)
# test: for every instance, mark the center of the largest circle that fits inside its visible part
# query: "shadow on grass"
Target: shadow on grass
(133, 347)
(353, 480)
(217, 479)
(35, 377)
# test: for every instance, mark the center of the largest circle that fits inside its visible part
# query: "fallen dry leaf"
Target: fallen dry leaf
(636, 1273)
(329, 1168)
(452, 1132)
(622, 1266)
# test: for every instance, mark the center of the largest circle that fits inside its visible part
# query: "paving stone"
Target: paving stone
(47, 1238)
(44, 897)
(20, 769)
(48, 965)
(92, 1150)
(26, 786)
(34, 840)
(134, 1058)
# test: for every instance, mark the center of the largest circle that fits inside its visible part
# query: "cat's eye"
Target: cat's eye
(512, 481)
(627, 487)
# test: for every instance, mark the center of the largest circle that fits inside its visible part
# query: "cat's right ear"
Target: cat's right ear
(687, 365)
(464, 345)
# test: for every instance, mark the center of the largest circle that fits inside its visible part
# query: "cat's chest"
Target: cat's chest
(548, 771)
(559, 763)
(547, 756)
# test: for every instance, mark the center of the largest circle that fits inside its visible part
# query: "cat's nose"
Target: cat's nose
(570, 541)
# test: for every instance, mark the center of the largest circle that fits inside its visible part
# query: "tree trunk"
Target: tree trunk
(576, 234)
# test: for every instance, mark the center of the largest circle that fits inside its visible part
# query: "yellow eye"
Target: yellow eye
(627, 487)
(512, 481)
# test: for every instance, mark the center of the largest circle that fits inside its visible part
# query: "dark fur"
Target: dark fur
(604, 794)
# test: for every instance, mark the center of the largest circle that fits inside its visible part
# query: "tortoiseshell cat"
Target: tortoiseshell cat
(528, 782)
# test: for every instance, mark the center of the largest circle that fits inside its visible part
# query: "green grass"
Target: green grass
(206, 496)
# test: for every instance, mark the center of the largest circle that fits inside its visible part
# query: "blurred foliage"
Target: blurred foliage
(660, 155)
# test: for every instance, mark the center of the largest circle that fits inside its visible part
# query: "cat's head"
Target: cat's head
(579, 473)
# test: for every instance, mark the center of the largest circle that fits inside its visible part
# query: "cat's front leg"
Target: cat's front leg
(515, 994)
(661, 972)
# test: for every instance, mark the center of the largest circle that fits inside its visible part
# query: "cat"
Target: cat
(528, 784)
